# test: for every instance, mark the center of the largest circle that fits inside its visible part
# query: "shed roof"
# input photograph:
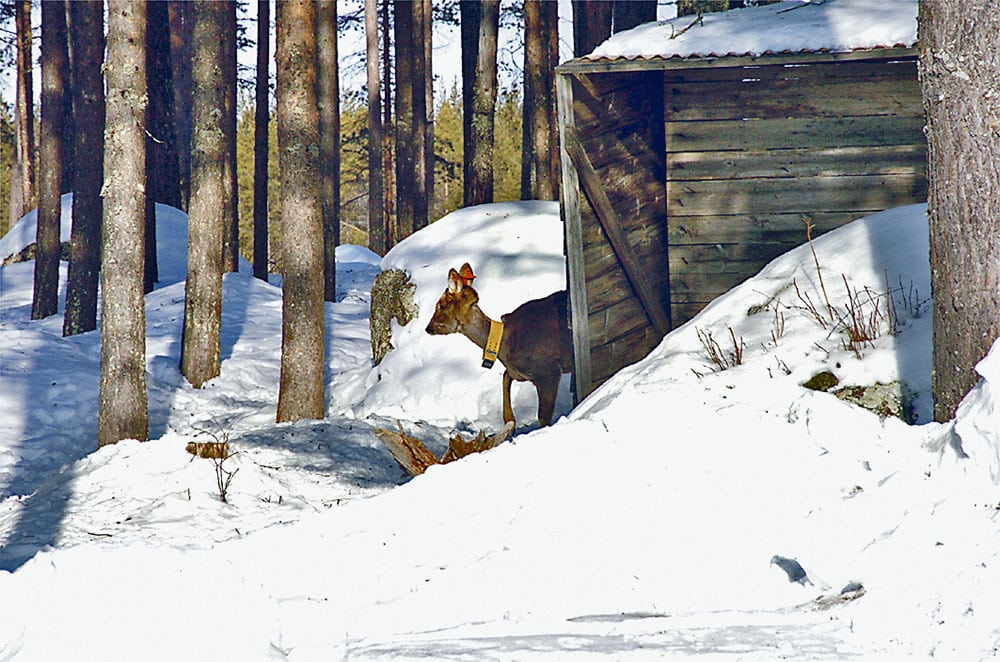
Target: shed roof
(791, 26)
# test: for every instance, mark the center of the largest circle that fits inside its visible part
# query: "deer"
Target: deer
(533, 342)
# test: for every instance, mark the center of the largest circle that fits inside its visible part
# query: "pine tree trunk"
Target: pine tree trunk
(591, 25)
(328, 86)
(206, 215)
(405, 149)
(260, 142)
(959, 61)
(161, 144)
(302, 327)
(388, 148)
(162, 173)
(181, 17)
(122, 402)
(67, 131)
(54, 57)
(629, 13)
(231, 238)
(426, 159)
(378, 237)
(538, 146)
(87, 38)
(22, 198)
(471, 16)
(479, 186)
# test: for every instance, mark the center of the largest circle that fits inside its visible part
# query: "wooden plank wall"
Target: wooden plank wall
(617, 120)
(753, 151)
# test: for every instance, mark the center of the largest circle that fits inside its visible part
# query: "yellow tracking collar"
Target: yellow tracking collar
(492, 344)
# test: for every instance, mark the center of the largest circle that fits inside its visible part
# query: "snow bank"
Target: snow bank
(641, 526)
(515, 250)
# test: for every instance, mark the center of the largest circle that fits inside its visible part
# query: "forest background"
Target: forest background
(447, 113)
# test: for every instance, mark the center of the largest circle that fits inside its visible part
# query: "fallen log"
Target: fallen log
(414, 457)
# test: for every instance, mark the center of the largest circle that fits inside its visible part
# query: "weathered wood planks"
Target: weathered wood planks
(682, 178)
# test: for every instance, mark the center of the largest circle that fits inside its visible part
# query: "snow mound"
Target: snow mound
(515, 250)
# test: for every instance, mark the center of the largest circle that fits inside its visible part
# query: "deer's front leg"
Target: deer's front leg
(508, 412)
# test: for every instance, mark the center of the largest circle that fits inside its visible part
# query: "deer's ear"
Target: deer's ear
(454, 281)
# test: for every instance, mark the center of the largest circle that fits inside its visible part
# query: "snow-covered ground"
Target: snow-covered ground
(642, 525)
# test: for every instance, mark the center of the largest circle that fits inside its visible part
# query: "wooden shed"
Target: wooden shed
(683, 176)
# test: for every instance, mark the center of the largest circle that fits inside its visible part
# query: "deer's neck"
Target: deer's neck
(477, 329)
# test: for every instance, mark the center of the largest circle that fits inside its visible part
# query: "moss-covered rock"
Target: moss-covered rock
(885, 400)
(822, 381)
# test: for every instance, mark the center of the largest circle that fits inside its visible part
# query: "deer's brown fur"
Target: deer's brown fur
(536, 346)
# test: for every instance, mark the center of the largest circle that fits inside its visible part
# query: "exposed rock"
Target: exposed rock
(392, 298)
(893, 399)
(822, 381)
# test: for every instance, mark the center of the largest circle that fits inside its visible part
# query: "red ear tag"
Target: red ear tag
(465, 275)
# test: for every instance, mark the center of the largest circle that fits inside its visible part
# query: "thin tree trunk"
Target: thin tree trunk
(538, 146)
(388, 148)
(591, 25)
(88, 107)
(181, 16)
(231, 238)
(302, 343)
(162, 145)
(162, 172)
(377, 226)
(405, 149)
(260, 142)
(122, 401)
(470, 17)
(206, 217)
(22, 198)
(959, 62)
(480, 187)
(630, 13)
(429, 161)
(45, 299)
(328, 82)
(67, 131)
(419, 82)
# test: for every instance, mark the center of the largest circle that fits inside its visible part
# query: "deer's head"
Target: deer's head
(457, 304)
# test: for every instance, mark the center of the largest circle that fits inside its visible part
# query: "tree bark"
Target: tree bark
(406, 184)
(161, 143)
(68, 133)
(260, 142)
(206, 214)
(328, 83)
(470, 17)
(538, 146)
(591, 25)
(629, 13)
(122, 401)
(87, 37)
(231, 238)
(302, 343)
(162, 172)
(959, 62)
(54, 58)
(378, 237)
(479, 185)
(388, 148)
(426, 159)
(22, 190)
(181, 17)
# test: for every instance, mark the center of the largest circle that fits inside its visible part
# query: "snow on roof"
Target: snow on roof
(786, 27)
